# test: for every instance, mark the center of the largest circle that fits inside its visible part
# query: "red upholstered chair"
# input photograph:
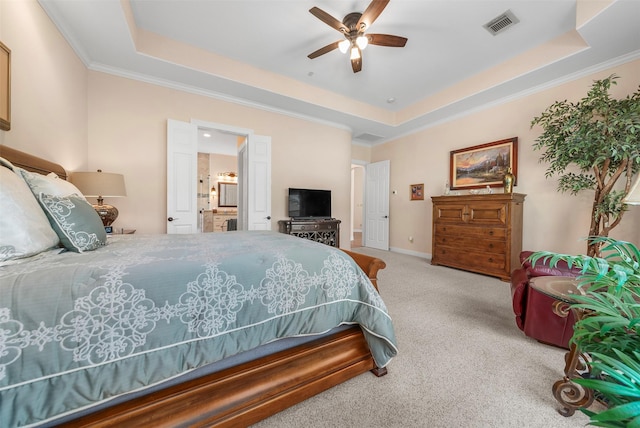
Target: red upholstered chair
(534, 310)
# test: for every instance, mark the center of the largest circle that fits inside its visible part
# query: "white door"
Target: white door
(376, 230)
(182, 174)
(255, 183)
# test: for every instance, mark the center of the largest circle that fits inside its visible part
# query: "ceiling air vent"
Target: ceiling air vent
(501, 23)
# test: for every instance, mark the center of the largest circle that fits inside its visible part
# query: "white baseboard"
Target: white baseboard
(411, 253)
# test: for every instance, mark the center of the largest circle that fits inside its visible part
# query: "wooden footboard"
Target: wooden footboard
(370, 265)
(245, 394)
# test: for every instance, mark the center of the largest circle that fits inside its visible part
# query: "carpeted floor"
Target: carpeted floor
(462, 361)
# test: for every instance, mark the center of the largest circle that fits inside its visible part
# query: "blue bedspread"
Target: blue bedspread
(79, 329)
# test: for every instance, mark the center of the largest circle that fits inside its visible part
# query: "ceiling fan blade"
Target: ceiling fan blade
(387, 40)
(372, 12)
(356, 64)
(324, 50)
(328, 19)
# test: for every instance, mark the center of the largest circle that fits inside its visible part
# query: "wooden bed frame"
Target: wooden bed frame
(245, 394)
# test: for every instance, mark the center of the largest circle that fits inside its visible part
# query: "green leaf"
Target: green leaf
(619, 413)
(597, 134)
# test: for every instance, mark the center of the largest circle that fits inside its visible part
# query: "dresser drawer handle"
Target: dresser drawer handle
(490, 245)
(491, 232)
(490, 259)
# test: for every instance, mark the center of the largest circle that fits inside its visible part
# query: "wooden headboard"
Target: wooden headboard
(31, 163)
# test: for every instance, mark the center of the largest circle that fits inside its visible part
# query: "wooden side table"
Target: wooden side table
(568, 393)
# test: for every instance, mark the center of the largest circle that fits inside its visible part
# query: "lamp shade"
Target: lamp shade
(99, 184)
(633, 197)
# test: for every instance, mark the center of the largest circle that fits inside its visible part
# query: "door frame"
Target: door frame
(363, 165)
(230, 129)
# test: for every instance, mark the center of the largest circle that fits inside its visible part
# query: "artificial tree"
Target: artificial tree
(599, 137)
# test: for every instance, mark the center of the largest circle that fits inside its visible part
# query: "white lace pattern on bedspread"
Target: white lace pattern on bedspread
(147, 308)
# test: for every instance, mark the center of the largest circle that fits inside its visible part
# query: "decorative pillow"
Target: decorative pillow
(75, 221)
(24, 229)
(49, 184)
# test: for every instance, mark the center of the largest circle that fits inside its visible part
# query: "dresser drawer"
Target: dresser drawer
(472, 232)
(314, 226)
(487, 214)
(450, 213)
(471, 243)
(465, 258)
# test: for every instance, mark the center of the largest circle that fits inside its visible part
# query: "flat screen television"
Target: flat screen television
(309, 203)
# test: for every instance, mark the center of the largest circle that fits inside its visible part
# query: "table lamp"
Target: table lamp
(101, 185)
(633, 197)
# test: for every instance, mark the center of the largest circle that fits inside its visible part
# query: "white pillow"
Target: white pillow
(24, 228)
(48, 184)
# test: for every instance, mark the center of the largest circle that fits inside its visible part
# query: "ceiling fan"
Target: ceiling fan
(354, 27)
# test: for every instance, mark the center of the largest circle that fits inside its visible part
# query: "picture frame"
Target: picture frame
(5, 87)
(483, 165)
(416, 192)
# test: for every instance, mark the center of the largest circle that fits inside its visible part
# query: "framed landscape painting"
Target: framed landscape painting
(484, 165)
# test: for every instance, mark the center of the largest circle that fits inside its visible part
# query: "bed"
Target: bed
(182, 330)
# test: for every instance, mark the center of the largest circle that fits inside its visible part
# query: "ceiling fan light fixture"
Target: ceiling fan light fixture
(362, 42)
(355, 53)
(344, 46)
(352, 28)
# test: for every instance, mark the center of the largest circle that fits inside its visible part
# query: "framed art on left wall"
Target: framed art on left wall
(5, 87)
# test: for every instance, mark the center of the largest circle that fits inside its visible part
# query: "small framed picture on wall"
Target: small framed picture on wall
(417, 192)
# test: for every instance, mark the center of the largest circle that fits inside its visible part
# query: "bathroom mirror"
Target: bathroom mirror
(227, 194)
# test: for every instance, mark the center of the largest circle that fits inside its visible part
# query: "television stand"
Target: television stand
(326, 231)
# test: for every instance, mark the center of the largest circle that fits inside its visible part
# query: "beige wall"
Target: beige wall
(552, 221)
(361, 153)
(48, 87)
(127, 134)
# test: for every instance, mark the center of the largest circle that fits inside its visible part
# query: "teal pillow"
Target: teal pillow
(75, 221)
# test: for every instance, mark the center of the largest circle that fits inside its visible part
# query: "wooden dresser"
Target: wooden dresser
(478, 233)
